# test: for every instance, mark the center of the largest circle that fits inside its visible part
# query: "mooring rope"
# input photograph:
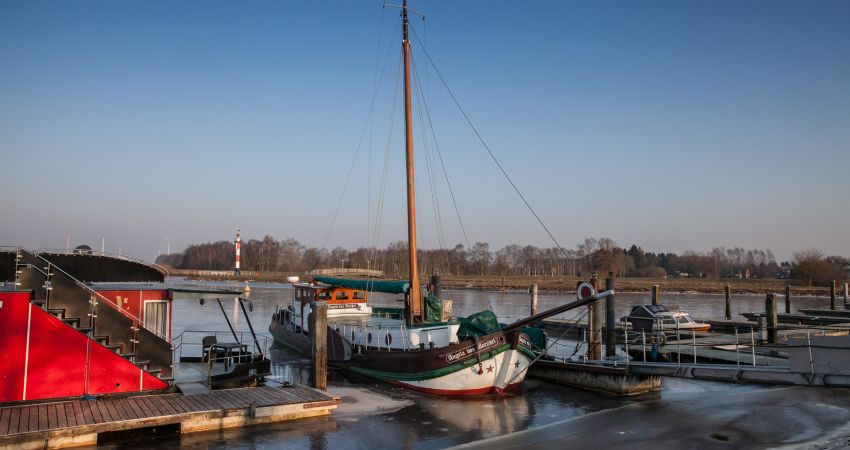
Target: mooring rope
(489, 151)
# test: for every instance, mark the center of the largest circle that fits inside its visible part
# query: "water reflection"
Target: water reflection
(492, 416)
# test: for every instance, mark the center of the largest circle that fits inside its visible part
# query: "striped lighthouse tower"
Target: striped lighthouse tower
(238, 245)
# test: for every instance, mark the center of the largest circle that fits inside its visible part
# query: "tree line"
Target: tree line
(600, 255)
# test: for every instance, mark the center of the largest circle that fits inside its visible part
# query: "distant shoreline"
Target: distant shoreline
(566, 284)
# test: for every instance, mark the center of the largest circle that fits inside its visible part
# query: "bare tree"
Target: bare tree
(480, 256)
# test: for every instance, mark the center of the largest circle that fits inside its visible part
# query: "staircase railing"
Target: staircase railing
(144, 343)
(87, 288)
(22, 279)
(93, 292)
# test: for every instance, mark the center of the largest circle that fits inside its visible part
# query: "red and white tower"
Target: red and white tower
(238, 245)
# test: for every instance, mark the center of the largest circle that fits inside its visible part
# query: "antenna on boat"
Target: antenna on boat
(404, 6)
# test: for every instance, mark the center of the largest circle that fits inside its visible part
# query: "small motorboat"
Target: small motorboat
(659, 318)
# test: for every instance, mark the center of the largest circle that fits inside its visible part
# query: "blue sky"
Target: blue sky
(673, 125)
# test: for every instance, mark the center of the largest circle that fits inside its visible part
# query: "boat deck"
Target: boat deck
(75, 423)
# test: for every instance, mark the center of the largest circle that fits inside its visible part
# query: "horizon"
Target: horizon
(670, 126)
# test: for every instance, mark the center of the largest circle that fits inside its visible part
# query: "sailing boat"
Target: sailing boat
(422, 351)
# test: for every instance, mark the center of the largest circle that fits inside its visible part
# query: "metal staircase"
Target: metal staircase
(80, 307)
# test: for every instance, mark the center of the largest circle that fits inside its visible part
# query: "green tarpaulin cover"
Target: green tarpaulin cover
(478, 324)
(433, 309)
(485, 322)
(389, 287)
(537, 336)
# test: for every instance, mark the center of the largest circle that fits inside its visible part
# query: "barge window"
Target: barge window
(324, 295)
(156, 317)
(342, 295)
(359, 295)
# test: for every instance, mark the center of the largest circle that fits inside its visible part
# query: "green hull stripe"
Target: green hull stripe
(531, 355)
(434, 373)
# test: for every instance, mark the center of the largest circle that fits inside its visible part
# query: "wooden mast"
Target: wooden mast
(414, 313)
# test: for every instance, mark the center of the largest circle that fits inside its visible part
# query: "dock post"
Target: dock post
(610, 334)
(594, 325)
(846, 285)
(737, 350)
(533, 292)
(694, 338)
(788, 298)
(655, 294)
(436, 286)
(728, 291)
(832, 295)
(770, 312)
(319, 344)
(594, 341)
(753, 344)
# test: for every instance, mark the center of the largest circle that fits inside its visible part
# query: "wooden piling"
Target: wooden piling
(594, 341)
(728, 291)
(770, 313)
(594, 327)
(787, 299)
(656, 293)
(610, 334)
(846, 285)
(832, 295)
(533, 292)
(319, 341)
(437, 285)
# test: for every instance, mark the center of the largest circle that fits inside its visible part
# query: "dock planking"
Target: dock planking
(4, 421)
(28, 425)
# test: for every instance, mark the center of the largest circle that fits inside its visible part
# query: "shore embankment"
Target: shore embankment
(551, 283)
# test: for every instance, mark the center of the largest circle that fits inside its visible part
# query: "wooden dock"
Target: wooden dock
(77, 423)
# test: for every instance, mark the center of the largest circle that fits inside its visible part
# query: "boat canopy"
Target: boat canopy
(388, 287)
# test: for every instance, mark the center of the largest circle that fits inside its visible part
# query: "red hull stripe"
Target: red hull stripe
(459, 393)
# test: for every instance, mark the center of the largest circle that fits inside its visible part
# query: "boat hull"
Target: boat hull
(491, 365)
(699, 327)
(496, 375)
(285, 335)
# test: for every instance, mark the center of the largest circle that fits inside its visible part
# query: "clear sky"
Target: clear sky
(673, 125)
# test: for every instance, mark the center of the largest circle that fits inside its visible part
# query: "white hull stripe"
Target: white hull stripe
(27, 350)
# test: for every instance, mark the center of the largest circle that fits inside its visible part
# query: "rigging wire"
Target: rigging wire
(550, 345)
(432, 179)
(357, 150)
(487, 147)
(445, 172)
(372, 126)
(380, 207)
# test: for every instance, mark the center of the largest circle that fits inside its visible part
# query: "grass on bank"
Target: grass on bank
(559, 284)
